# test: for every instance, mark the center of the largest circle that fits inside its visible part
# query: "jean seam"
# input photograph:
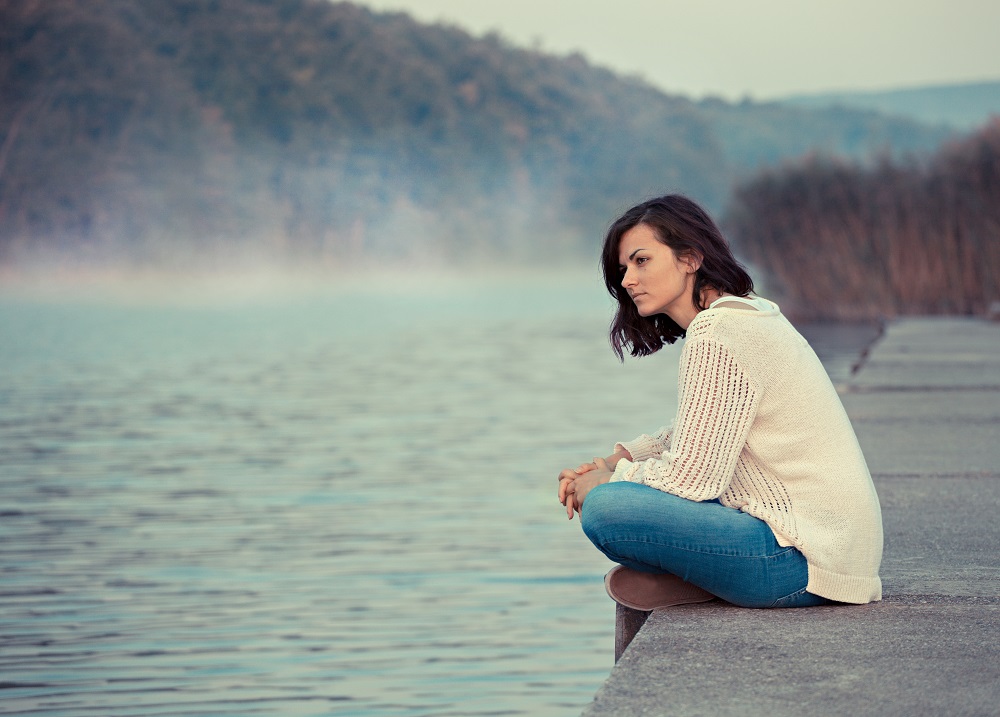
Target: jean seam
(784, 551)
(790, 595)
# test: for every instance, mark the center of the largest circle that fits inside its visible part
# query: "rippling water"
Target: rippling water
(309, 502)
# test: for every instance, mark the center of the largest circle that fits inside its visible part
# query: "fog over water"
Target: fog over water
(296, 497)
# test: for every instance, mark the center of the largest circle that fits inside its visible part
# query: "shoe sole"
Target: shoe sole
(650, 591)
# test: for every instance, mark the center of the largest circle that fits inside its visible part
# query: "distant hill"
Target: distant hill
(962, 106)
(186, 132)
(759, 134)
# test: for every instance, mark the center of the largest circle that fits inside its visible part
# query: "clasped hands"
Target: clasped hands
(576, 483)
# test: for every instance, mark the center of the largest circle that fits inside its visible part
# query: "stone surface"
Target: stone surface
(903, 656)
(926, 406)
(930, 447)
(955, 405)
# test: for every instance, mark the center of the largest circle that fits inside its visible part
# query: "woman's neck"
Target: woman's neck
(708, 295)
(686, 315)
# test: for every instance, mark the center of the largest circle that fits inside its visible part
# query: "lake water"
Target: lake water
(337, 499)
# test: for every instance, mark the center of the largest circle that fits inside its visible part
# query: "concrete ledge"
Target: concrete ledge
(926, 405)
(898, 657)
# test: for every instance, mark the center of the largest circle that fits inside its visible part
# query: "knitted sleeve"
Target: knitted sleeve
(646, 446)
(716, 408)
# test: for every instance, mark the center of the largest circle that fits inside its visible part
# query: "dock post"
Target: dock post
(628, 622)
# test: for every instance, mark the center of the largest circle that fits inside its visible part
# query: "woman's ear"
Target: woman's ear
(692, 260)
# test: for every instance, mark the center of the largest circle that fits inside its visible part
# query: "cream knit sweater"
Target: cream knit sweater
(760, 426)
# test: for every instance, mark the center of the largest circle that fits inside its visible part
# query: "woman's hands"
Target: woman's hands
(576, 483)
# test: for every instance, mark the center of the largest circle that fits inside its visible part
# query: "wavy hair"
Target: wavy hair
(687, 229)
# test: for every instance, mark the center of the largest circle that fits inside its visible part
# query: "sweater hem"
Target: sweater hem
(856, 589)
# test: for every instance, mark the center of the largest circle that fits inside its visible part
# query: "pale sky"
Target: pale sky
(757, 48)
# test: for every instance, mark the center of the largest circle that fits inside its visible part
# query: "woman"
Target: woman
(758, 493)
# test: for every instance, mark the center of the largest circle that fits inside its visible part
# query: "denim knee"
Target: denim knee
(599, 510)
(727, 552)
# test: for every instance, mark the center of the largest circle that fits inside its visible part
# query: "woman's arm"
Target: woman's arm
(637, 449)
(717, 406)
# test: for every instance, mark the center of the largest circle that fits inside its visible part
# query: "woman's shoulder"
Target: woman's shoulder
(732, 311)
(757, 325)
(744, 303)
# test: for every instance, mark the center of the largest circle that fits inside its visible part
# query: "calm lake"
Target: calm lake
(240, 498)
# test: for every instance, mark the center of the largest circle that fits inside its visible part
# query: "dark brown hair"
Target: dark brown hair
(687, 229)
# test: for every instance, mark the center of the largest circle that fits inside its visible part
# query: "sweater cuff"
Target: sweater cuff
(622, 471)
(642, 447)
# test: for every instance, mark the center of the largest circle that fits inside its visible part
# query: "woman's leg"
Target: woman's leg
(727, 552)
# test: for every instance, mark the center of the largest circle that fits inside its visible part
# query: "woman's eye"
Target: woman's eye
(641, 260)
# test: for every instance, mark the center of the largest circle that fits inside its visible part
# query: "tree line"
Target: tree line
(848, 241)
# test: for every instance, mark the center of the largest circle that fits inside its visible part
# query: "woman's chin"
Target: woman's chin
(650, 312)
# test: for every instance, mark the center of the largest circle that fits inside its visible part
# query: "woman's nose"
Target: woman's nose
(628, 279)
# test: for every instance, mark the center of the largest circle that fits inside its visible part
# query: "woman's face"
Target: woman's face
(658, 281)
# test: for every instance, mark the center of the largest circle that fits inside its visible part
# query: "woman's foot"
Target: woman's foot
(649, 591)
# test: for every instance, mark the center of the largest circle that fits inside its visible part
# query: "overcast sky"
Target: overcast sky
(760, 48)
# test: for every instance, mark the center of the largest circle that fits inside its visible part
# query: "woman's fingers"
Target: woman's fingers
(567, 484)
(571, 504)
(564, 489)
(574, 472)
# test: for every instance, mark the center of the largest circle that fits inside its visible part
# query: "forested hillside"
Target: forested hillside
(216, 131)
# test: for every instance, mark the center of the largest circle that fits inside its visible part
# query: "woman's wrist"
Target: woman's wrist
(613, 459)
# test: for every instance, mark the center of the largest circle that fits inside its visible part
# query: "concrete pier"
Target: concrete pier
(926, 406)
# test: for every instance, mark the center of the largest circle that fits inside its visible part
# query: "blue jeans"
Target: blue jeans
(722, 550)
